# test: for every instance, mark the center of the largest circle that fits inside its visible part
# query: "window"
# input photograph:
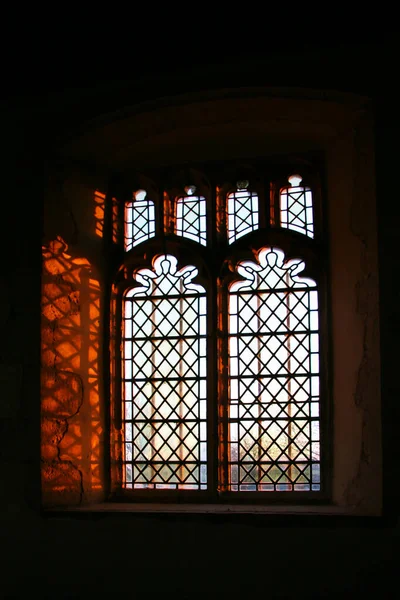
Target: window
(219, 234)
(218, 389)
(139, 220)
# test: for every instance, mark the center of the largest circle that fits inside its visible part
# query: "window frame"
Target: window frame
(314, 252)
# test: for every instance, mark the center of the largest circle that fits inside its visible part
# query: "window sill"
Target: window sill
(281, 514)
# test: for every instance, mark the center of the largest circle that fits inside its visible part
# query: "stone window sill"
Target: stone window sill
(280, 514)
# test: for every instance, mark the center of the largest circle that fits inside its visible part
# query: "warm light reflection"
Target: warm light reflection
(114, 220)
(99, 204)
(71, 424)
(99, 215)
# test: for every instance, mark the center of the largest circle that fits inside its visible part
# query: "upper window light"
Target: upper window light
(139, 220)
(296, 208)
(191, 216)
(242, 210)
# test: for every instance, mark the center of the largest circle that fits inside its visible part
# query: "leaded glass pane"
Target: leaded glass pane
(296, 207)
(242, 211)
(273, 344)
(139, 221)
(165, 379)
(191, 218)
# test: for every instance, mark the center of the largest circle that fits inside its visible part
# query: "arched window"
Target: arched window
(165, 379)
(273, 419)
(217, 340)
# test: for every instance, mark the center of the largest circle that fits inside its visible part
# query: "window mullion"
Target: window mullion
(223, 401)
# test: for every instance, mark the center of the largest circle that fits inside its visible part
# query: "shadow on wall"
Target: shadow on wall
(70, 410)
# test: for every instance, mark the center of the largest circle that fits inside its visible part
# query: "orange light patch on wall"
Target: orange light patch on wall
(114, 220)
(70, 410)
(99, 215)
(99, 206)
(92, 382)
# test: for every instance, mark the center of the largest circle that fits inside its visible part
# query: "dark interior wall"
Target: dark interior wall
(186, 557)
